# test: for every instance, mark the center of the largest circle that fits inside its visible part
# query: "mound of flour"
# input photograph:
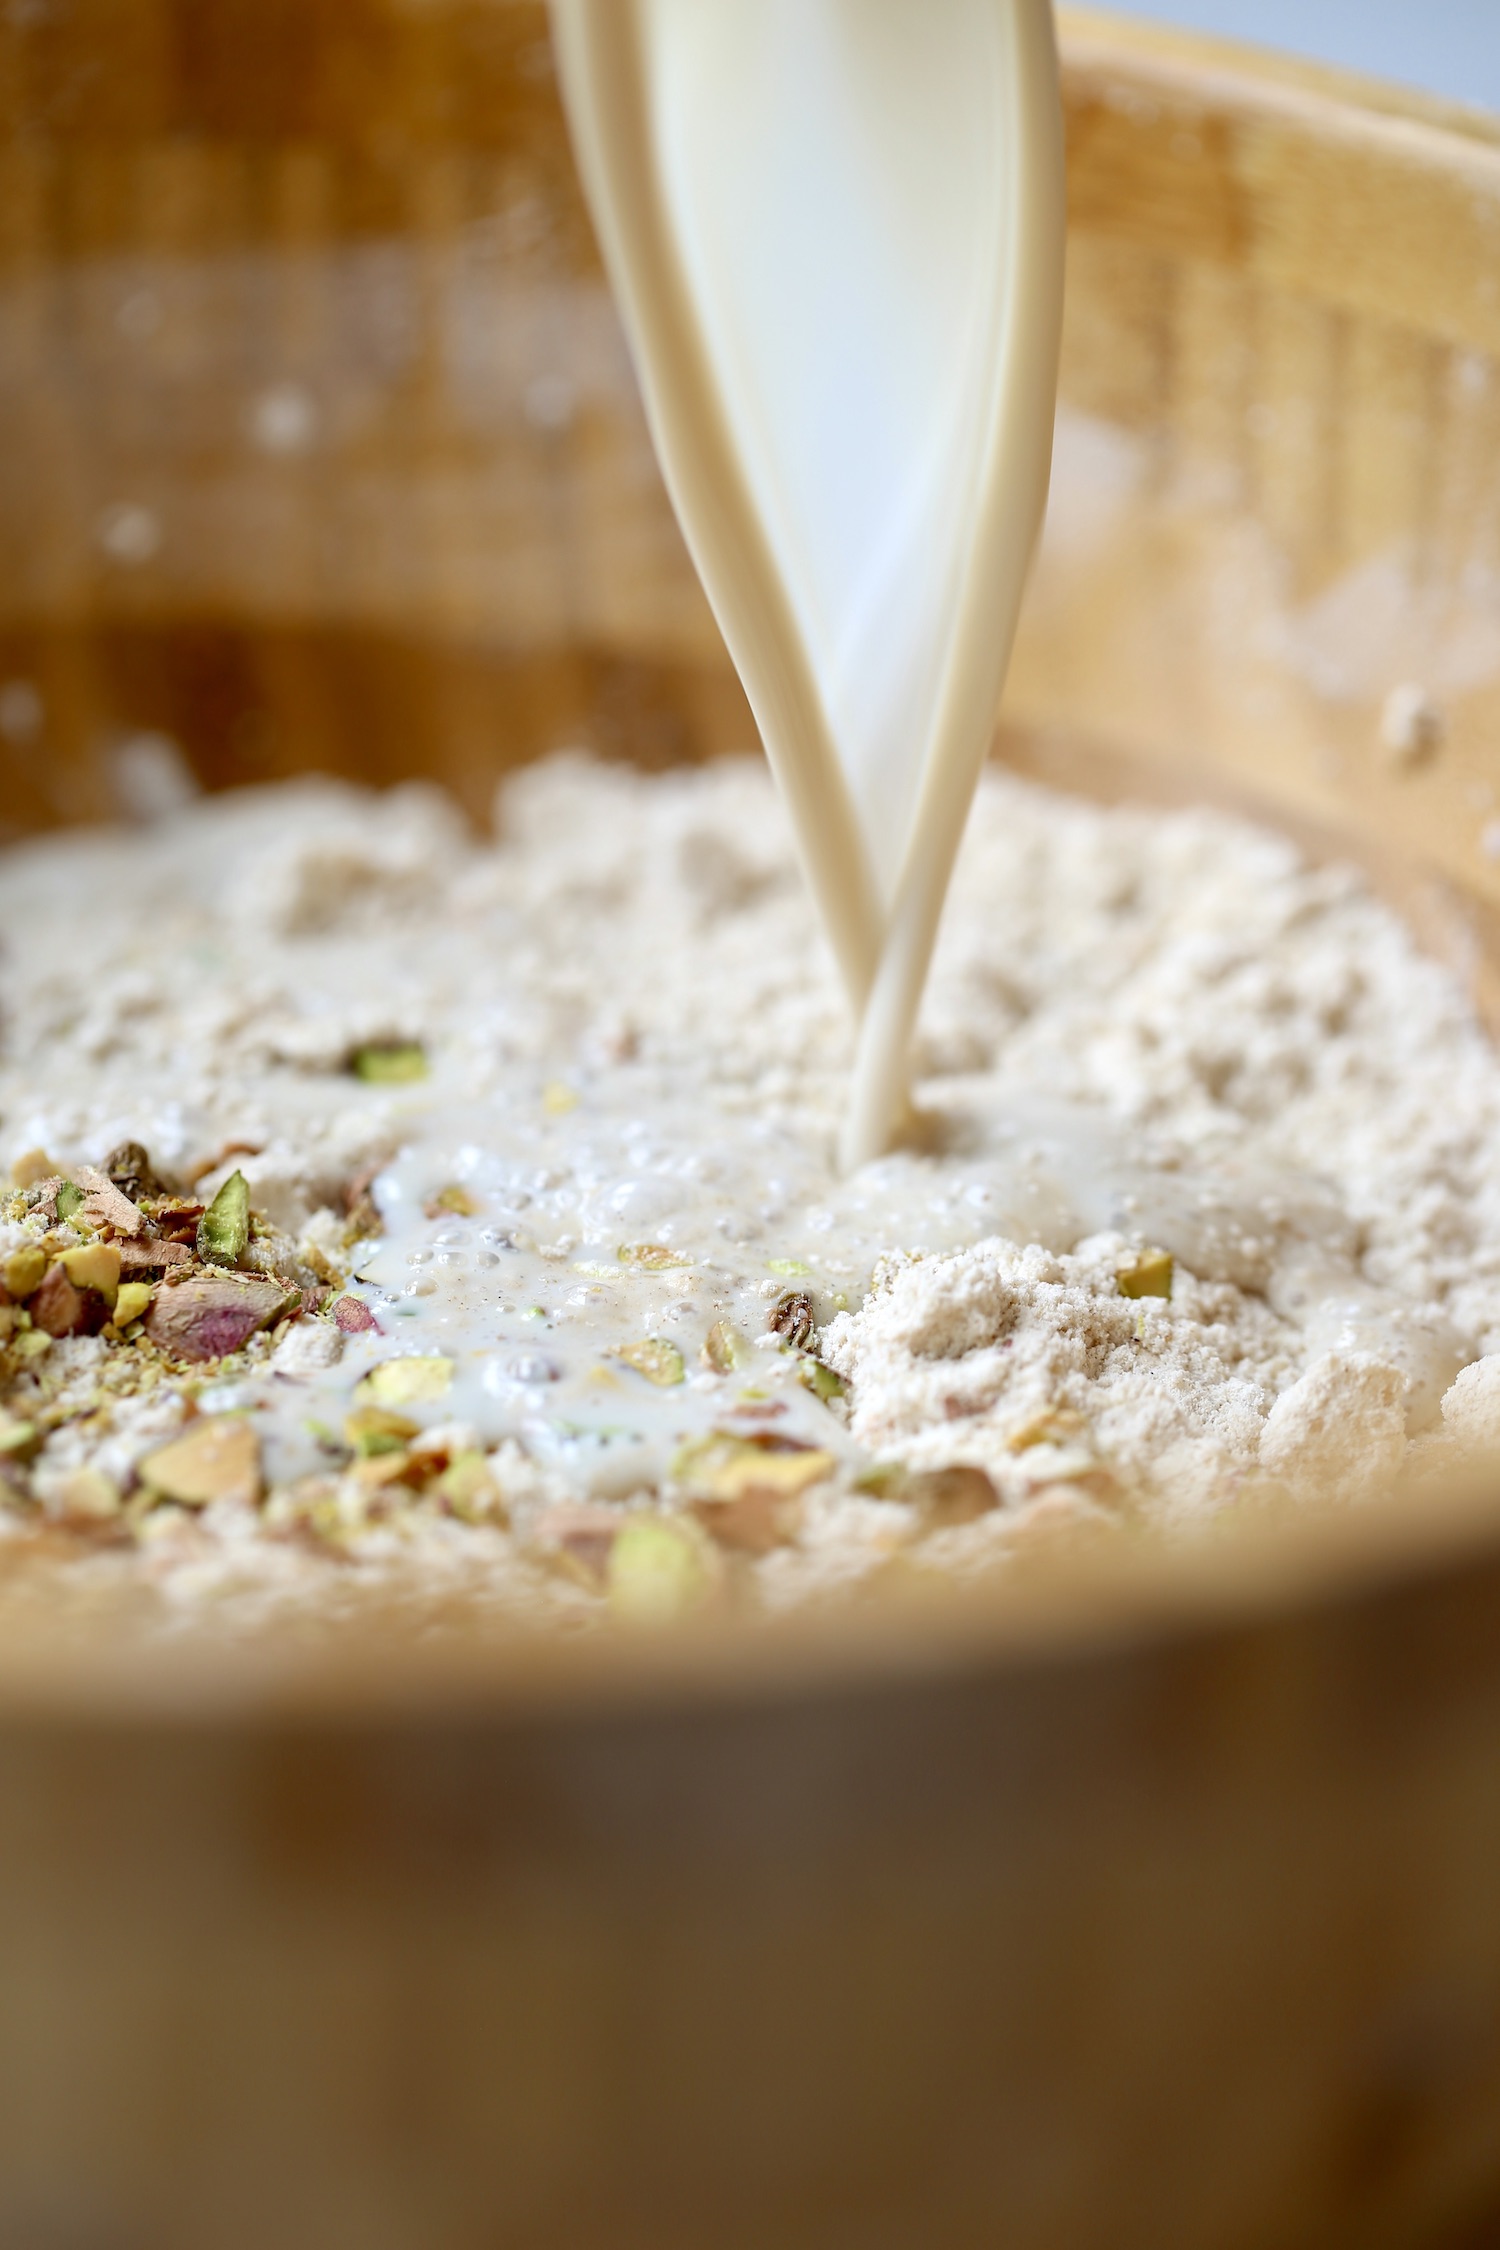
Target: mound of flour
(1187, 981)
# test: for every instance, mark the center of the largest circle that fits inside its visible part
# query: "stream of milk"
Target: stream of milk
(835, 233)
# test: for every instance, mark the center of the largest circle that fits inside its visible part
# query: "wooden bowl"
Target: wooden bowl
(1152, 1902)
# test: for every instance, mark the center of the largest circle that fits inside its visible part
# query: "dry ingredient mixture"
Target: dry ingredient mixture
(393, 1210)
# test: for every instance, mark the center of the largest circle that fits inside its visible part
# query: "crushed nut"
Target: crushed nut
(390, 1062)
(208, 1317)
(61, 1309)
(413, 1381)
(653, 1257)
(25, 1270)
(657, 1358)
(455, 1200)
(149, 1256)
(725, 1466)
(1150, 1276)
(1055, 1425)
(821, 1380)
(374, 1430)
(31, 1168)
(17, 1438)
(792, 1318)
(132, 1302)
(130, 1169)
(105, 1206)
(96, 1265)
(217, 1459)
(724, 1348)
(468, 1490)
(224, 1229)
(658, 1570)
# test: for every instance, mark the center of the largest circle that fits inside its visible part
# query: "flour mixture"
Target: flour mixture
(392, 1208)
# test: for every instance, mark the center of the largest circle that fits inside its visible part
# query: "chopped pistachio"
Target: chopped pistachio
(724, 1465)
(212, 1315)
(787, 1266)
(793, 1318)
(558, 1099)
(413, 1381)
(821, 1380)
(724, 1348)
(883, 1480)
(1055, 1425)
(132, 1301)
(105, 1206)
(63, 1310)
(456, 1200)
(1150, 1276)
(31, 1168)
(372, 1430)
(224, 1229)
(655, 1257)
(17, 1438)
(657, 1359)
(96, 1265)
(70, 1201)
(390, 1063)
(130, 1169)
(468, 1490)
(32, 1343)
(372, 1470)
(658, 1571)
(25, 1270)
(217, 1459)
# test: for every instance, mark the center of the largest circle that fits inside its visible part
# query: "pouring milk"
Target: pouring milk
(835, 232)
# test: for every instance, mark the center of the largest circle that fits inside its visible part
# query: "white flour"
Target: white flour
(1145, 1034)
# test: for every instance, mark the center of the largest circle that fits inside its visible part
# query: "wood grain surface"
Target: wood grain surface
(1148, 1905)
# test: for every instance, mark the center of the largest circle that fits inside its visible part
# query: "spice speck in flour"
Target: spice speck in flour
(396, 1211)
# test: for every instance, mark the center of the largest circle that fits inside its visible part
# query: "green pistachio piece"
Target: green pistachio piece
(1150, 1276)
(69, 1200)
(725, 1349)
(413, 1381)
(25, 1271)
(820, 1380)
(388, 1063)
(657, 1359)
(224, 1229)
(657, 1571)
(17, 1437)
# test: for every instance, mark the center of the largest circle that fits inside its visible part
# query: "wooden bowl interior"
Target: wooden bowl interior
(319, 447)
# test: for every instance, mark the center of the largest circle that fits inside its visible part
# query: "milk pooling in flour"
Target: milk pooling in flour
(835, 232)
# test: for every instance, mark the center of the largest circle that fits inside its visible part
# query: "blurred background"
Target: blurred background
(1448, 47)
